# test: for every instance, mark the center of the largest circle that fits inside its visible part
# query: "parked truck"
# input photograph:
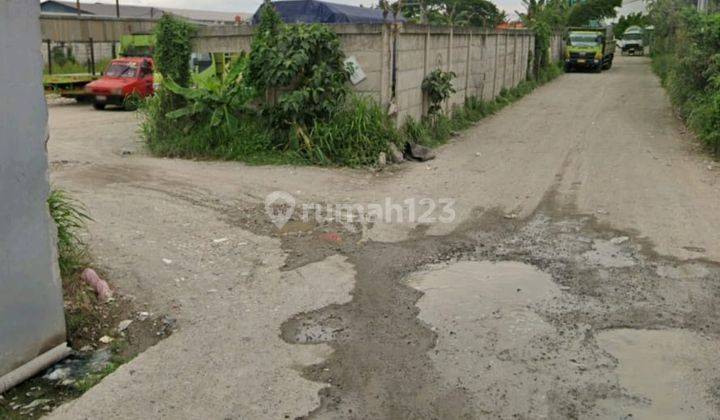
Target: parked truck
(633, 41)
(589, 48)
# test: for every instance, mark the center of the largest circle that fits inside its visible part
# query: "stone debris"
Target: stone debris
(167, 261)
(106, 339)
(124, 325)
(396, 155)
(619, 240)
(419, 152)
(382, 159)
(220, 240)
(142, 316)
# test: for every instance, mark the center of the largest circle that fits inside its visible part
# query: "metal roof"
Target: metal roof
(147, 12)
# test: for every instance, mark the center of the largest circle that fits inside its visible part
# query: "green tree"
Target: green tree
(544, 17)
(584, 12)
(633, 19)
(172, 48)
(453, 12)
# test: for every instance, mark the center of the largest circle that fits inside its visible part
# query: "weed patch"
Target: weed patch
(438, 129)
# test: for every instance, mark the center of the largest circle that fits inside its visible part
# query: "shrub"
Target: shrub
(691, 72)
(299, 68)
(438, 87)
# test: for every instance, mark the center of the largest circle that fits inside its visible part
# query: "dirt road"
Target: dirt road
(579, 277)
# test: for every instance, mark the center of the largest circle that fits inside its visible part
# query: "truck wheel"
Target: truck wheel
(607, 65)
(99, 106)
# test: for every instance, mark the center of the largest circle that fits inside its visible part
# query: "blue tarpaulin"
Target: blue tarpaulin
(313, 11)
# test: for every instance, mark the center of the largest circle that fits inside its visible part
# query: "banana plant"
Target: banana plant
(213, 100)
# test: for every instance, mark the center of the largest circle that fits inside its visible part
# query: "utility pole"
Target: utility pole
(77, 6)
(117, 8)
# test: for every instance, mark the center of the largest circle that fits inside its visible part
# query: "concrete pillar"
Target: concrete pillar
(32, 322)
(385, 59)
(495, 65)
(468, 66)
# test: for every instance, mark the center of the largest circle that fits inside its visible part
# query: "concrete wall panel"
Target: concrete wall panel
(31, 306)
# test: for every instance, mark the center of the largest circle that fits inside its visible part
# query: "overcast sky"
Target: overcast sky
(250, 6)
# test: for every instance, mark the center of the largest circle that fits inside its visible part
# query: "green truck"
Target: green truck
(589, 48)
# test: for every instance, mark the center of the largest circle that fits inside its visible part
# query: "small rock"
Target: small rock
(382, 159)
(396, 155)
(477, 154)
(167, 261)
(142, 316)
(123, 325)
(219, 241)
(419, 152)
(510, 216)
(126, 152)
(619, 240)
(86, 349)
(105, 339)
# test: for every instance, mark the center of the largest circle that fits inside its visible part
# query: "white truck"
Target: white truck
(632, 41)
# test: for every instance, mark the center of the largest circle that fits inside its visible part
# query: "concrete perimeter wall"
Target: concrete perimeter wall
(31, 307)
(396, 62)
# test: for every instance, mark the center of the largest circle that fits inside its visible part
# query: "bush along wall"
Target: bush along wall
(686, 47)
(289, 101)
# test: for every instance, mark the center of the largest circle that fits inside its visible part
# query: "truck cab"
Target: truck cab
(124, 78)
(632, 41)
(589, 48)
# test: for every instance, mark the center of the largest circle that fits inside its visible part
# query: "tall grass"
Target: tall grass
(70, 217)
(354, 135)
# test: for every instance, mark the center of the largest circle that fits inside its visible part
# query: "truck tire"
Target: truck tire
(99, 106)
(607, 65)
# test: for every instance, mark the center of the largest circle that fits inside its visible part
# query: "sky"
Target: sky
(250, 6)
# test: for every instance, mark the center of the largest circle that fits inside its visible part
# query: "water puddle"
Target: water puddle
(667, 374)
(482, 314)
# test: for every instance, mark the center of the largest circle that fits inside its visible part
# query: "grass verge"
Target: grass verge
(355, 135)
(437, 131)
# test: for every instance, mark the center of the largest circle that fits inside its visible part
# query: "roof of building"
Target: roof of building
(148, 12)
(315, 11)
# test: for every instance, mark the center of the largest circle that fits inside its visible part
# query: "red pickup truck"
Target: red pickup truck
(124, 77)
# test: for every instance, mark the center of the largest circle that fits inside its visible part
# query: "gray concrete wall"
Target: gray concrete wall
(31, 305)
(484, 61)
